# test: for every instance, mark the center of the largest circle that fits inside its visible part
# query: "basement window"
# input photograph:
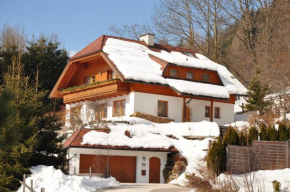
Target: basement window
(163, 108)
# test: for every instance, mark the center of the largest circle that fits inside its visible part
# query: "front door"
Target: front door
(187, 117)
(154, 170)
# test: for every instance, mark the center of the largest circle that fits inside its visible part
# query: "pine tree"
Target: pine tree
(252, 135)
(257, 92)
(272, 133)
(283, 132)
(263, 133)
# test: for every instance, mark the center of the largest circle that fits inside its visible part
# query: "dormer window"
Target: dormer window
(173, 72)
(189, 75)
(90, 79)
(205, 77)
(188, 54)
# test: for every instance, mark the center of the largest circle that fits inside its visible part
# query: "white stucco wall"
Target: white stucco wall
(197, 111)
(227, 114)
(75, 161)
(148, 103)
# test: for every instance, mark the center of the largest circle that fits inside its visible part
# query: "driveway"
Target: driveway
(144, 187)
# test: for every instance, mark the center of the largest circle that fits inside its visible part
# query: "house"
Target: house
(130, 76)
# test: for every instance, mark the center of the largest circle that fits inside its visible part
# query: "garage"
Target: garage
(123, 168)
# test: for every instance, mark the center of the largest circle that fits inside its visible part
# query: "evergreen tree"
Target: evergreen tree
(45, 60)
(216, 157)
(29, 135)
(263, 133)
(231, 137)
(252, 135)
(20, 128)
(257, 92)
(283, 132)
(243, 138)
(272, 133)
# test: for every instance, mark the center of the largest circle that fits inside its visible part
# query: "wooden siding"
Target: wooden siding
(197, 74)
(93, 92)
(93, 69)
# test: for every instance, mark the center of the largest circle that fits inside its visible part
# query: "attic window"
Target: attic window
(173, 72)
(205, 77)
(189, 75)
(189, 54)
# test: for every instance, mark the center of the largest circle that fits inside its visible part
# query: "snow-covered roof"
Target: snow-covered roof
(133, 61)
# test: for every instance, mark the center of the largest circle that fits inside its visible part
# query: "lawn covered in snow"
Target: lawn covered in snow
(56, 181)
(261, 180)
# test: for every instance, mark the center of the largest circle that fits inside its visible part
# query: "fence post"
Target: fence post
(90, 172)
(24, 178)
(42, 189)
(31, 184)
(227, 159)
(288, 153)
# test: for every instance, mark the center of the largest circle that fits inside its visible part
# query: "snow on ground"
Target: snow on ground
(131, 120)
(133, 60)
(240, 125)
(55, 181)
(262, 179)
(150, 135)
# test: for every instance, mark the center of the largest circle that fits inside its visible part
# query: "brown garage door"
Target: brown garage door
(123, 168)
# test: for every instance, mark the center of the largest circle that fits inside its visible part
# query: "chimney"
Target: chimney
(148, 38)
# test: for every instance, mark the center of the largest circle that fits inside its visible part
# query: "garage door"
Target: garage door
(123, 168)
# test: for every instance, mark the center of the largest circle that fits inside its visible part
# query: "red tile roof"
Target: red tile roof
(99, 43)
(76, 139)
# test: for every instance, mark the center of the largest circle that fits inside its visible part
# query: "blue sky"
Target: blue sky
(76, 22)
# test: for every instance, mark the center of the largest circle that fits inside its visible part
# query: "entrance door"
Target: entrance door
(187, 118)
(154, 170)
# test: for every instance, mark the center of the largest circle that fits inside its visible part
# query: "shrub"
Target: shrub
(263, 133)
(216, 157)
(272, 133)
(276, 186)
(252, 135)
(283, 133)
(231, 137)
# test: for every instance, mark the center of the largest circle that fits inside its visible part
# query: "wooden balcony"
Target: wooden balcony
(95, 92)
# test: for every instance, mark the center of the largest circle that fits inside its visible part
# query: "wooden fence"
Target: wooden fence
(263, 155)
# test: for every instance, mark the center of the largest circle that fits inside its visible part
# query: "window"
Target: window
(189, 75)
(205, 77)
(173, 72)
(188, 54)
(101, 111)
(163, 108)
(207, 111)
(90, 79)
(217, 112)
(119, 108)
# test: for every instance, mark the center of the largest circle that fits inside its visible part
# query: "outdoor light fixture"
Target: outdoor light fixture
(144, 158)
